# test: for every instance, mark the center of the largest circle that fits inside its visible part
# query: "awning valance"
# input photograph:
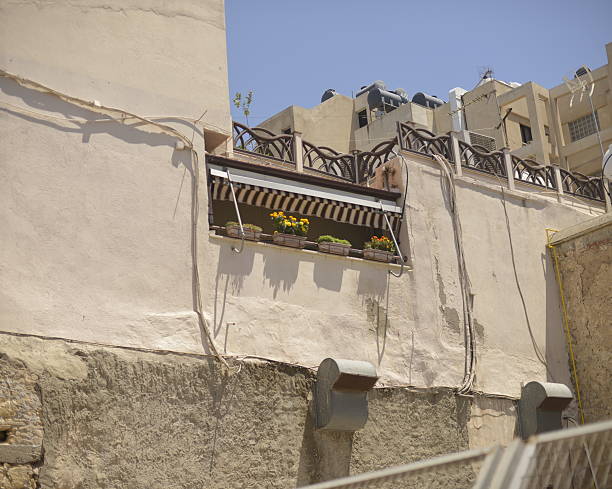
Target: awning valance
(276, 193)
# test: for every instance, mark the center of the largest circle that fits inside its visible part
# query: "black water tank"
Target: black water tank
(379, 99)
(426, 100)
(327, 94)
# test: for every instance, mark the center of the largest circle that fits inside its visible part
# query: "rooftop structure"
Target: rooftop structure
(569, 125)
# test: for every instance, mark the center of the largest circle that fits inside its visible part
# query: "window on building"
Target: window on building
(526, 136)
(362, 118)
(583, 126)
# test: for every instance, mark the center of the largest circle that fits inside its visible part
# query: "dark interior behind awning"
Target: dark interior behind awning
(303, 199)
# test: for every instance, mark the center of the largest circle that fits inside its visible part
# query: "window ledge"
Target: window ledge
(218, 237)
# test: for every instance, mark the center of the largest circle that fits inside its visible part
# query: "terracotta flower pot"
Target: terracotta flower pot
(335, 248)
(291, 240)
(250, 234)
(378, 255)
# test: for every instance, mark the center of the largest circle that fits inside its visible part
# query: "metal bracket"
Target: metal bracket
(231, 184)
(398, 275)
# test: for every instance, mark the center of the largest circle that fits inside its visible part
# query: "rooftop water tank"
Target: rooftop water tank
(377, 84)
(327, 94)
(426, 100)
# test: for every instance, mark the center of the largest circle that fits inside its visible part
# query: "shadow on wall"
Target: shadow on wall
(232, 268)
(280, 270)
(557, 357)
(134, 132)
(324, 455)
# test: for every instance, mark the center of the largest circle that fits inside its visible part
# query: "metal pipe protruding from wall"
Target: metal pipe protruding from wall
(341, 402)
(541, 406)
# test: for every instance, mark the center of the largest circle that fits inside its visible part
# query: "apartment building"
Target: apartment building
(156, 328)
(568, 125)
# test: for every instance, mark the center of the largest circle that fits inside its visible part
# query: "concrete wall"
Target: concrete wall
(119, 418)
(302, 306)
(96, 216)
(585, 259)
(385, 128)
(148, 57)
(330, 123)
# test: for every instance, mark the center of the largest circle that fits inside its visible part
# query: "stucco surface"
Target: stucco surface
(119, 418)
(98, 229)
(96, 222)
(149, 57)
(302, 306)
(585, 263)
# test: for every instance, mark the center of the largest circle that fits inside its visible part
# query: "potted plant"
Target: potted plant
(379, 249)
(335, 246)
(289, 230)
(251, 232)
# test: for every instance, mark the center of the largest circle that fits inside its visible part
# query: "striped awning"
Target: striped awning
(300, 199)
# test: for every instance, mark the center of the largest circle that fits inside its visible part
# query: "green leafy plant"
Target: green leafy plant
(244, 103)
(326, 238)
(245, 226)
(289, 224)
(382, 243)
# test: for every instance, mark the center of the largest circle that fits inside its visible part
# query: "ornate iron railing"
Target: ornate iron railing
(369, 161)
(529, 171)
(262, 142)
(359, 167)
(478, 158)
(424, 141)
(326, 160)
(576, 183)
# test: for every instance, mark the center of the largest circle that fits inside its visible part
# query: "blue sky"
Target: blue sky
(288, 52)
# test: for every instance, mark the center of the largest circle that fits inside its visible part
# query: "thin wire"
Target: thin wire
(195, 212)
(566, 325)
(165, 129)
(539, 355)
(469, 372)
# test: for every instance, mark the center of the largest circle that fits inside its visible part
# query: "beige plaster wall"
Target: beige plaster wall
(98, 229)
(96, 217)
(584, 155)
(96, 225)
(302, 306)
(113, 418)
(328, 124)
(585, 260)
(385, 128)
(149, 57)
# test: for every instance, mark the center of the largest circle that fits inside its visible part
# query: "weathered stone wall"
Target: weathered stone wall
(122, 418)
(585, 261)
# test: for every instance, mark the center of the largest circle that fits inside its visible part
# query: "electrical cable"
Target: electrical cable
(568, 336)
(469, 372)
(539, 355)
(603, 169)
(124, 115)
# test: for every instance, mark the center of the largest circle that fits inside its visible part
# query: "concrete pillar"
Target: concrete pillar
(558, 182)
(298, 151)
(536, 120)
(456, 153)
(509, 169)
(456, 108)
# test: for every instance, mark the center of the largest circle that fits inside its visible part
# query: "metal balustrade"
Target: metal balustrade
(361, 166)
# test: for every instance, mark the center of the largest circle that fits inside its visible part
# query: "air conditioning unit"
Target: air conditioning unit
(483, 141)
